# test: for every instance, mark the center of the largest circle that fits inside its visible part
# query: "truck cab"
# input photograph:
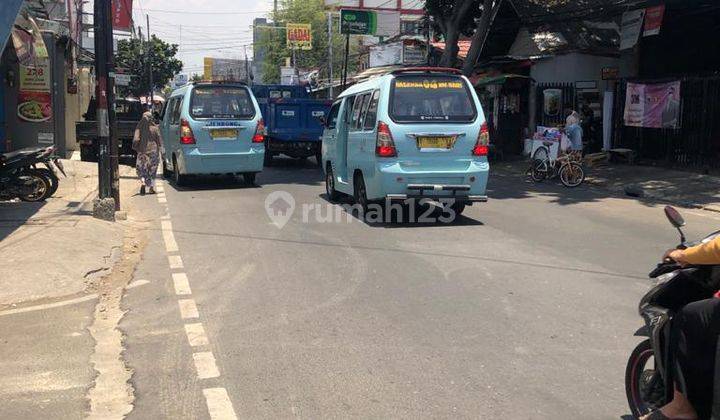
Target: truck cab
(293, 121)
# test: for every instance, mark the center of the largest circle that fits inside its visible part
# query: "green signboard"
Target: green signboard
(358, 22)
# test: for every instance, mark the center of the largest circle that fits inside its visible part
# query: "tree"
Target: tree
(481, 33)
(273, 42)
(196, 77)
(131, 55)
(452, 18)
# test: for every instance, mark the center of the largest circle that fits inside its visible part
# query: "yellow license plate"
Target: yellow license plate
(435, 142)
(224, 134)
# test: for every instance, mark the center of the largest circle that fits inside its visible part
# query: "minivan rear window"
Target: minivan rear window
(221, 102)
(423, 98)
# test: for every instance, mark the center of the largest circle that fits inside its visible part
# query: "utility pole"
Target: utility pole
(345, 65)
(151, 98)
(104, 92)
(330, 54)
(247, 68)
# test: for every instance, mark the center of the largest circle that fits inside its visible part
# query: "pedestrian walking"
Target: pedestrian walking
(148, 145)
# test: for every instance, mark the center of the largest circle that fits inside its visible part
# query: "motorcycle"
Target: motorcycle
(649, 381)
(21, 174)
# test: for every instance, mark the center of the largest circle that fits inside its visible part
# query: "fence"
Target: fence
(696, 144)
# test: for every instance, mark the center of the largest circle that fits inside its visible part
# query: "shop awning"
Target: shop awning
(498, 80)
(8, 14)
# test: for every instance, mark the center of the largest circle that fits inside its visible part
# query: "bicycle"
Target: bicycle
(567, 167)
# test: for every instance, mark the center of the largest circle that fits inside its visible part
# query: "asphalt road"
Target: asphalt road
(525, 308)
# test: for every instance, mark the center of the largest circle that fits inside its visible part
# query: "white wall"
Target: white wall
(574, 67)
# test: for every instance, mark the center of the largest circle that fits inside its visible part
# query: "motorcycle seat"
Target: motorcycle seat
(10, 156)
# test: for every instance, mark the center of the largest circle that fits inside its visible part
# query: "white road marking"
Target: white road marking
(196, 335)
(182, 285)
(175, 262)
(219, 404)
(161, 195)
(162, 200)
(205, 365)
(188, 309)
(49, 305)
(169, 238)
(166, 217)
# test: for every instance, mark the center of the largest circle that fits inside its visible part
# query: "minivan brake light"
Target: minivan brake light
(482, 145)
(384, 145)
(259, 136)
(186, 134)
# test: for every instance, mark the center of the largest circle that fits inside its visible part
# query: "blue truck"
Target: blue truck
(292, 121)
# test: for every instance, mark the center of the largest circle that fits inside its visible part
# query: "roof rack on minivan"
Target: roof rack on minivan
(427, 70)
(217, 82)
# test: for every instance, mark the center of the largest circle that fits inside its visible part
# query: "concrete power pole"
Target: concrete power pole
(330, 54)
(151, 98)
(104, 93)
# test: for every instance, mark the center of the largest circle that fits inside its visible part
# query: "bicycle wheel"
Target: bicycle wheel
(539, 170)
(542, 153)
(572, 175)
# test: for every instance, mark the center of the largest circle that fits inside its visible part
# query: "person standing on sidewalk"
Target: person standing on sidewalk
(148, 145)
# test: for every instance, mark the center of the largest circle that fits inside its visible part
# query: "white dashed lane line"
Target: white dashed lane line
(218, 401)
(219, 404)
(205, 365)
(188, 309)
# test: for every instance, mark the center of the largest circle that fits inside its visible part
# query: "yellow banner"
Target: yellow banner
(299, 36)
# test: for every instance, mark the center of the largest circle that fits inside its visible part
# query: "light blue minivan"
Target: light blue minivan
(412, 133)
(212, 128)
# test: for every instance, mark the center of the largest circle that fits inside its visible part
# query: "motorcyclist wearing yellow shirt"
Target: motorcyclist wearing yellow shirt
(694, 338)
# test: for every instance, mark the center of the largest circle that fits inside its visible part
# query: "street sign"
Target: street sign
(299, 36)
(369, 22)
(123, 79)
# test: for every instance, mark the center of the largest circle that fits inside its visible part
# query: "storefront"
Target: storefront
(32, 67)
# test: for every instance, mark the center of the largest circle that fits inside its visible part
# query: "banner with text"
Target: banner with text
(299, 36)
(369, 22)
(122, 15)
(653, 105)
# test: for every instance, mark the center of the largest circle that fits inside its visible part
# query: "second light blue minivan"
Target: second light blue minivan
(413, 133)
(212, 128)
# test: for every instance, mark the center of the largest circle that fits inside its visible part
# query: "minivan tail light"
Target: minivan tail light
(384, 145)
(259, 136)
(482, 144)
(186, 134)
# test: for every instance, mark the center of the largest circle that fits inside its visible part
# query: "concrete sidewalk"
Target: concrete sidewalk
(57, 249)
(681, 188)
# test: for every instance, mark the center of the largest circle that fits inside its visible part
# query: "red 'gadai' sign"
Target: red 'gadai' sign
(122, 14)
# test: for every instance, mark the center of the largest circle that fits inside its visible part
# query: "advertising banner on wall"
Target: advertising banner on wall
(653, 105)
(34, 99)
(299, 36)
(653, 20)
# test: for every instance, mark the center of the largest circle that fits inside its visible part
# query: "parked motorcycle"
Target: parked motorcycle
(29, 174)
(649, 382)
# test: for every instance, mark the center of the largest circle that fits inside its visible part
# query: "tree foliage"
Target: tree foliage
(131, 55)
(273, 42)
(452, 18)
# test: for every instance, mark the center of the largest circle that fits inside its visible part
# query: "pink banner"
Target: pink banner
(653, 105)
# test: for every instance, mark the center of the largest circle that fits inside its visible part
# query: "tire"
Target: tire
(541, 153)
(539, 170)
(52, 179)
(42, 187)
(636, 377)
(249, 178)
(572, 175)
(458, 208)
(330, 190)
(178, 178)
(360, 192)
(318, 158)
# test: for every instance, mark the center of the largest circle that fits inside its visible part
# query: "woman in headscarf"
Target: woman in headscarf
(148, 145)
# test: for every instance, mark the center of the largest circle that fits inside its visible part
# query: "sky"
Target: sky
(203, 28)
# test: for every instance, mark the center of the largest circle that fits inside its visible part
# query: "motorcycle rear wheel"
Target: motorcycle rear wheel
(42, 187)
(52, 178)
(637, 375)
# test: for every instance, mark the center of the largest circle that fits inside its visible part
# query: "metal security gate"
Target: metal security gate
(695, 145)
